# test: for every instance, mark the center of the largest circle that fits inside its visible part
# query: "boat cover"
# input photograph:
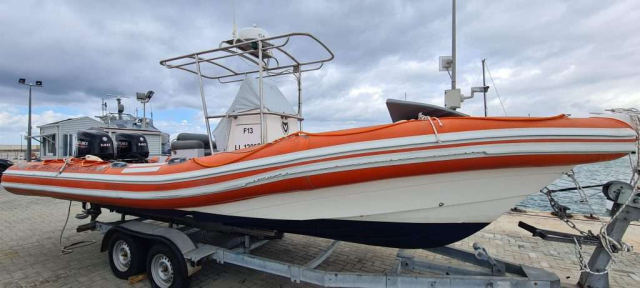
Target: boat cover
(248, 98)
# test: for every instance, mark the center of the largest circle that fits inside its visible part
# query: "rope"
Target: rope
(435, 131)
(495, 87)
(66, 162)
(69, 248)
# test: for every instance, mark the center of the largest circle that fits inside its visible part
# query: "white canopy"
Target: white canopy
(248, 98)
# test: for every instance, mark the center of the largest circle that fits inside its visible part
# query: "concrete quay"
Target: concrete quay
(30, 253)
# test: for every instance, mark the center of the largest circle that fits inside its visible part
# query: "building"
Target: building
(59, 139)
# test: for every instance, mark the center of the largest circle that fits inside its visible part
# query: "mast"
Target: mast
(263, 132)
(484, 84)
(453, 46)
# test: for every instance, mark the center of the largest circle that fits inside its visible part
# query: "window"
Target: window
(50, 145)
(67, 145)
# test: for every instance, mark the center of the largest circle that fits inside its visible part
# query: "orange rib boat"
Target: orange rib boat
(402, 185)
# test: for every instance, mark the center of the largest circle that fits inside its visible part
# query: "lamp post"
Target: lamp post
(37, 84)
(21, 138)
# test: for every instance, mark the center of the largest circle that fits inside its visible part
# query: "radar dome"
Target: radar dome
(252, 33)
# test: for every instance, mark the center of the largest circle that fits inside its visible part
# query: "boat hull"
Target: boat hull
(409, 212)
(376, 233)
(459, 197)
(409, 179)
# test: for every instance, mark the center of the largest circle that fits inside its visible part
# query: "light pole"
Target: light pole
(21, 138)
(37, 84)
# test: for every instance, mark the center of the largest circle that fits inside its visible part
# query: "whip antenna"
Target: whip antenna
(233, 12)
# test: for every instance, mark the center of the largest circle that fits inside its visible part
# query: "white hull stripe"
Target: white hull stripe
(425, 156)
(146, 165)
(140, 170)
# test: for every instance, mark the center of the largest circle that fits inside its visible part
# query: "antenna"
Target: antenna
(453, 47)
(453, 97)
(484, 83)
(120, 105)
(103, 107)
(233, 12)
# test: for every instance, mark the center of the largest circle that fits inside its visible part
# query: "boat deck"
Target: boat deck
(30, 256)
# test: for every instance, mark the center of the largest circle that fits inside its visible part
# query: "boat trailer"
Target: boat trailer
(176, 247)
(626, 208)
(174, 252)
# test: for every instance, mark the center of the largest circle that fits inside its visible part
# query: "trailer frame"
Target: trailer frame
(239, 242)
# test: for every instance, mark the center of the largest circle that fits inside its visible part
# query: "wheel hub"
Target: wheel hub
(122, 256)
(162, 271)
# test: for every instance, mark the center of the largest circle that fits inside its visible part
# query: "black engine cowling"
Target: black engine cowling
(131, 147)
(96, 143)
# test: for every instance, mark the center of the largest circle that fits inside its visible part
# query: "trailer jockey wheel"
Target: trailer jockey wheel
(125, 257)
(166, 269)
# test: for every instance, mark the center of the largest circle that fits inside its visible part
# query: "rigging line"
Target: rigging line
(495, 87)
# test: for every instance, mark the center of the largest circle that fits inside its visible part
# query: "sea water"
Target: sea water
(591, 174)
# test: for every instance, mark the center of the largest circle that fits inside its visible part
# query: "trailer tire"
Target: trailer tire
(166, 269)
(125, 257)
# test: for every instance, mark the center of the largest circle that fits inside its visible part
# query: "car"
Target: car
(4, 165)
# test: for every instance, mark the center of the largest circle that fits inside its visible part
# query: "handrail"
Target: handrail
(206, 57)
(256, 113)
(257, 49)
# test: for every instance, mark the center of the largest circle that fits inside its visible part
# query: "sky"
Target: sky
(545, 57)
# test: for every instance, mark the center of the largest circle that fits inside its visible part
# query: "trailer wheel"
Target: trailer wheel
(165, 269)
(125, 257)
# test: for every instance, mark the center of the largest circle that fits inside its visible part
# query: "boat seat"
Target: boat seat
(203, 138)
(186, 145)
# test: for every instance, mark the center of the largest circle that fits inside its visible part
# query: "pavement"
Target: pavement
(30, 252)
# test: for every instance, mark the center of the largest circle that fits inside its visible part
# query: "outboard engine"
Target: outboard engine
(96, 143)
(131, 147)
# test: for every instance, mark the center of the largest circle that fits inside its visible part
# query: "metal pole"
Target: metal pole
(484, 83)
(263, 138)
(204, 102)
(300, 95)
(453, 47)
(28, 154)
(144, 115)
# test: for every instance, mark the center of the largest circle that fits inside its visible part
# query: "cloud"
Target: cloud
(545, 57)
(15, 124)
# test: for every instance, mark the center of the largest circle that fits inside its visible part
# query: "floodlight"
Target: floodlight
(38, 83)
(480, 89)
(22, 81)
(150, 94)
(141, 96)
